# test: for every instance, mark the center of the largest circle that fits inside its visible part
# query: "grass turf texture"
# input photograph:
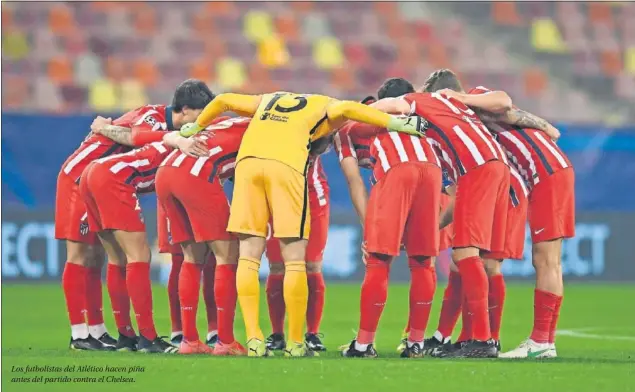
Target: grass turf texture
(35, 332)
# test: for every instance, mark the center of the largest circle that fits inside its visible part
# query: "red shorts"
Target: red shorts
(480, 212)
(111, 204)
(71, 220)
(197, 209)
(445, 236)
(317, 237)
(552, 207)
(515, 227)
(164, 237)
(404, 205)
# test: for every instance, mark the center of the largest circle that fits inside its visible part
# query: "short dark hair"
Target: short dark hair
(192, 93)
(440, 79)
(395, 87)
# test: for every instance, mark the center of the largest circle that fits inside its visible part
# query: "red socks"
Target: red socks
(496, 300)
(466, 320)
(225, 291)
(451, 307)
(119, 300)
(74, 285)
(275, 300)
(140, 291)
(545, 305)
(554, 320)
(173, 293)
(422, 287)
(373, 296)
(475, 289)
(94, 301)
(189, 286)
(316, 301)
(209, 272)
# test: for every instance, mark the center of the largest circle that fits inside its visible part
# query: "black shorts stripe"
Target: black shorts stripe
(514, 197)
(450, 146)
(536, 148)
(305, 201)
(218, 162)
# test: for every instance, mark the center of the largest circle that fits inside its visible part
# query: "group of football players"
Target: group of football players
(449, 170)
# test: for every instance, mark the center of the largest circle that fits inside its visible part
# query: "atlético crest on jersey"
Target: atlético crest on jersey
(83, 228)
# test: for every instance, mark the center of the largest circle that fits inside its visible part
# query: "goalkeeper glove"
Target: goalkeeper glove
(190, 129)
(412, 125)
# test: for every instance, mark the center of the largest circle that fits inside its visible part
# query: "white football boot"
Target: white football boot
(531, 349)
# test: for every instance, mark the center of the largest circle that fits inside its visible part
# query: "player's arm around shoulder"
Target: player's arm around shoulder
(193, 147)
(371, 115)
(491, 101)
(118, 134)
(393, 106)
(241, 104)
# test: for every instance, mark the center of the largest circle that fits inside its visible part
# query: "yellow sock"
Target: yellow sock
(248, 288)
(296, 295)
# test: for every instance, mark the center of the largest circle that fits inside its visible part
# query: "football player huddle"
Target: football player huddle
(450, 169)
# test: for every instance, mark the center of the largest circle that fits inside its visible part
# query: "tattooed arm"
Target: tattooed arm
(121, 135)
(522, 119)
(103, 126)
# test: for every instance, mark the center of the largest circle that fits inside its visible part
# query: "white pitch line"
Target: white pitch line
(583, 335)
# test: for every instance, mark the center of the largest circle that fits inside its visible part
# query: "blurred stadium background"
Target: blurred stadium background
(570, 62)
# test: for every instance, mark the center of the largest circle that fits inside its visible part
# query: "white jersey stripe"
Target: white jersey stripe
(173, 153)
(496, 144)
(444, 155)
(431, 143)
(198, 165)
(403, 156)
(117, 167)
(416, 144)
(177, 162)
(159, 147)
(319, 190)
(227, 167)
(382, 155)
(350, 143)
(145, 184)
(552, 150)
(476, 154)
(338, 143)
(480, 134)
(79, 157)
(526, 154)
(520, 180)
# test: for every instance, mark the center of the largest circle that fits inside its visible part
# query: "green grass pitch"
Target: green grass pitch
(596, 348)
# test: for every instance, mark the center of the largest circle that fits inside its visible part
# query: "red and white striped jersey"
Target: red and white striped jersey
(145, 118)
(223, 139)
(137, 167)
(389, 149)
(347, 143)
(318, 184)
(458, 135)
(530, 151)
